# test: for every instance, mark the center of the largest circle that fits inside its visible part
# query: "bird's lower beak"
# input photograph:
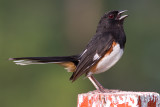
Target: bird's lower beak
(119, 17)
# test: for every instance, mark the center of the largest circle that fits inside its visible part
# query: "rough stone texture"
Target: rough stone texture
(116, 98)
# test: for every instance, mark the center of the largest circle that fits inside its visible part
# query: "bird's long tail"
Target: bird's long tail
(69, 62)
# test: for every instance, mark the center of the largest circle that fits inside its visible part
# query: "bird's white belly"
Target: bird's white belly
(109, 60)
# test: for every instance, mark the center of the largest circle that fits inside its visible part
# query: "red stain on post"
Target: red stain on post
(152, 103)
(85, 102)
(119, 99)
(139, 101)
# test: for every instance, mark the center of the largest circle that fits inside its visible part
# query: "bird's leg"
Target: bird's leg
(96, 84)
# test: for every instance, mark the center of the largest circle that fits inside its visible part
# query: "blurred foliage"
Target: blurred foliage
(64, 27)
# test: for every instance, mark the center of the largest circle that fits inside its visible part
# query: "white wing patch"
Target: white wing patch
(84, 52)
(96, 56)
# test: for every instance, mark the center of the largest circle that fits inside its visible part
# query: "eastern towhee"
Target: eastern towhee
(101, 53)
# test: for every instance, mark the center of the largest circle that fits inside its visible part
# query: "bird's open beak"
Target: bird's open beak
(119, 17)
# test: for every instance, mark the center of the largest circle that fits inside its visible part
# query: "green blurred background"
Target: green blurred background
(64, 27)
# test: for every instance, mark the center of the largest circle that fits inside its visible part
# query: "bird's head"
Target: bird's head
(112, 19)
(115, 16)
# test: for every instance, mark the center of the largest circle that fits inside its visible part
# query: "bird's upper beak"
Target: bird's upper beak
(119, 17)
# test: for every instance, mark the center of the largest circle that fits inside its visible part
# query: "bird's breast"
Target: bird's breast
(109, 59)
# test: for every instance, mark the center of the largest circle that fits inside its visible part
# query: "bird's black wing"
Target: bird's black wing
(95, 50)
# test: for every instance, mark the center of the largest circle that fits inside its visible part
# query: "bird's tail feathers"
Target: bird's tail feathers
(45, 60)
(69, 62)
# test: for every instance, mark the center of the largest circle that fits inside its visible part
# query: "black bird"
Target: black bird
(101, 53)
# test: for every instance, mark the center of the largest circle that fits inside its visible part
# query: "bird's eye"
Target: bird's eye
(111, 16)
